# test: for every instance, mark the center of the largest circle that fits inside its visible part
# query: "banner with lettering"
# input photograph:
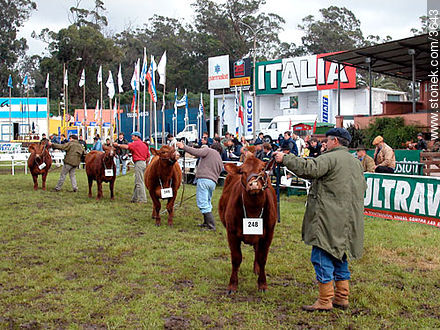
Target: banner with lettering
(403, 197)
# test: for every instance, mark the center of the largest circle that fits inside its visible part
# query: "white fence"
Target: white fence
(14, 160)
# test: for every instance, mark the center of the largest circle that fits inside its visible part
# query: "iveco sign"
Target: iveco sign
(301, 74)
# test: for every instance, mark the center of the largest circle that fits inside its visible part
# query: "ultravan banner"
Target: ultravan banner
(403, 197)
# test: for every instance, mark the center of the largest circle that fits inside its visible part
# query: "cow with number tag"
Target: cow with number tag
(248, 210)
(100, 166)
(39, 162)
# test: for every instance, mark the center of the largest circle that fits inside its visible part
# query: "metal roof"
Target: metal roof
(391, 58)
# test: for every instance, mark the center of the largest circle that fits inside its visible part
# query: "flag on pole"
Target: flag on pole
(120, 81)
(144, 70)
(151, 80)
(175, 113)
(47, 81)
(97, 110)
(237, 118)
(200, 117)
(25, 81)
(241, 106)
(99, 77)
(135, 78)
(186, 109)
(66, 79)
(222, 123)
(133, 102)
(82, 80)
(10, 85)
(314, 126)
(161, 68)
(110, 85)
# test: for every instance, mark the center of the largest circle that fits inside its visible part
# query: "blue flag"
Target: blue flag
(25, 80)
(10, 82)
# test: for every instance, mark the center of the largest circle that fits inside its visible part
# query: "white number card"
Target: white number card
(43, 165)
(253, 226)
(108, 172)
(166, 193)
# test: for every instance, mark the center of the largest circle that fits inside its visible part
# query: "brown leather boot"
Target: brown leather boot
(324, 302)
(341, 294)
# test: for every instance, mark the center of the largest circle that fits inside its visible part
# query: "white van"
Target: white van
(189, 134)
(280, 124)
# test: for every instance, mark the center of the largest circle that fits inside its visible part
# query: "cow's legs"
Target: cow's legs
(261, 258)
(90, 185)
(170, 208)
(156, 208)
(112, 185)
(43, 179)
(256, 266)
(99, 184)
(236, 257)
(35, 178)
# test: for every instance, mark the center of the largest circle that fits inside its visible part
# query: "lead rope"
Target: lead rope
(244, 208)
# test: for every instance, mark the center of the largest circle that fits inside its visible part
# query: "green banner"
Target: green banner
(268, 77)
(404, 198)
(407, 161)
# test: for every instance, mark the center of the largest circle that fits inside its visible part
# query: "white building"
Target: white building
(22, 116)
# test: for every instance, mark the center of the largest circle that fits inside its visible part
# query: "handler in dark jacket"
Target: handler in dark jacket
(334, 221)
(74, 151)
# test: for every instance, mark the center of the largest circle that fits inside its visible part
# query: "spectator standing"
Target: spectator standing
(208, 172)
(421, 143)
(121, 155)
(267, 152)
(288, 142)
(300, 144)
(314, 147)
(260, 138)
(140, 156)
(97, 145)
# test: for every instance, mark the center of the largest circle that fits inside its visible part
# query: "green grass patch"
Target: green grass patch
(67, 261)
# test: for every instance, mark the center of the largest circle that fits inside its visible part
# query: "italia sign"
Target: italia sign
(301, 74)
(403, 197)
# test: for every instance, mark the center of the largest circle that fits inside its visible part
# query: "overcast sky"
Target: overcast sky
(378, 17)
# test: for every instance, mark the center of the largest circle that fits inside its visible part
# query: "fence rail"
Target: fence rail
(431, 161)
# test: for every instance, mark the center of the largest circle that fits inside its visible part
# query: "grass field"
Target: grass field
(67, 261)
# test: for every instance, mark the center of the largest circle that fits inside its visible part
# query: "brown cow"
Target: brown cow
(248, 193)
(163, 172)
(97, 162)
(39, 162)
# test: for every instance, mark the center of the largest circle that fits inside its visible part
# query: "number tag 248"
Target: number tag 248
(253, 226)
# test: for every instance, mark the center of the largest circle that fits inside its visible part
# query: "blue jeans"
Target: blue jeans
(205, 188)
(118, 163)
(328, 268)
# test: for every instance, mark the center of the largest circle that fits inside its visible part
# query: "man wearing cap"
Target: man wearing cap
(140, 156)
(334, 221)
(366, 161)
(421, 143)
(384, 157)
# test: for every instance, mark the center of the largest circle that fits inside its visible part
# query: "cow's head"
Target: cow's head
(252, 174)
(39, 150)
(166, 154)
(109, 151)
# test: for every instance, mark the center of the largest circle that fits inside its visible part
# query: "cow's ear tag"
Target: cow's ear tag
(252, 226)
(41, 166)
(166, 193)
(108, 172)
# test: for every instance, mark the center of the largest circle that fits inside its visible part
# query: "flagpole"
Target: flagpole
(48, 111)
(163, 115)
(143, 112)
(11, 137)
(119, 113)
(155, 124)
(151, 115)
(28, 111)
(138, 114)
(65, 95)
(100, 114)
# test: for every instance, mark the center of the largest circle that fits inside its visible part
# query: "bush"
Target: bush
(393, 131)
(357, 136)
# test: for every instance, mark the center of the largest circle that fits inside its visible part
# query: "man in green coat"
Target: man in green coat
(74, 150)
(333, 222)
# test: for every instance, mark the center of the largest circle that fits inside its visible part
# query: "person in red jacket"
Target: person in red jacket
(140, 156)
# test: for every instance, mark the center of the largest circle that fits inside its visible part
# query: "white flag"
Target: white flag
(144, 68)
(110, 85)
(97, 110)
(161, 68)
(120, 81)
(100, 74)
(135, 77)
(66, 79)
(82, 81)
(47, 81)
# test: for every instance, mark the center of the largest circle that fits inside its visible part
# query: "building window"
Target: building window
(393, 97)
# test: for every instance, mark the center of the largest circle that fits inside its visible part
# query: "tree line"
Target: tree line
(217, 28)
